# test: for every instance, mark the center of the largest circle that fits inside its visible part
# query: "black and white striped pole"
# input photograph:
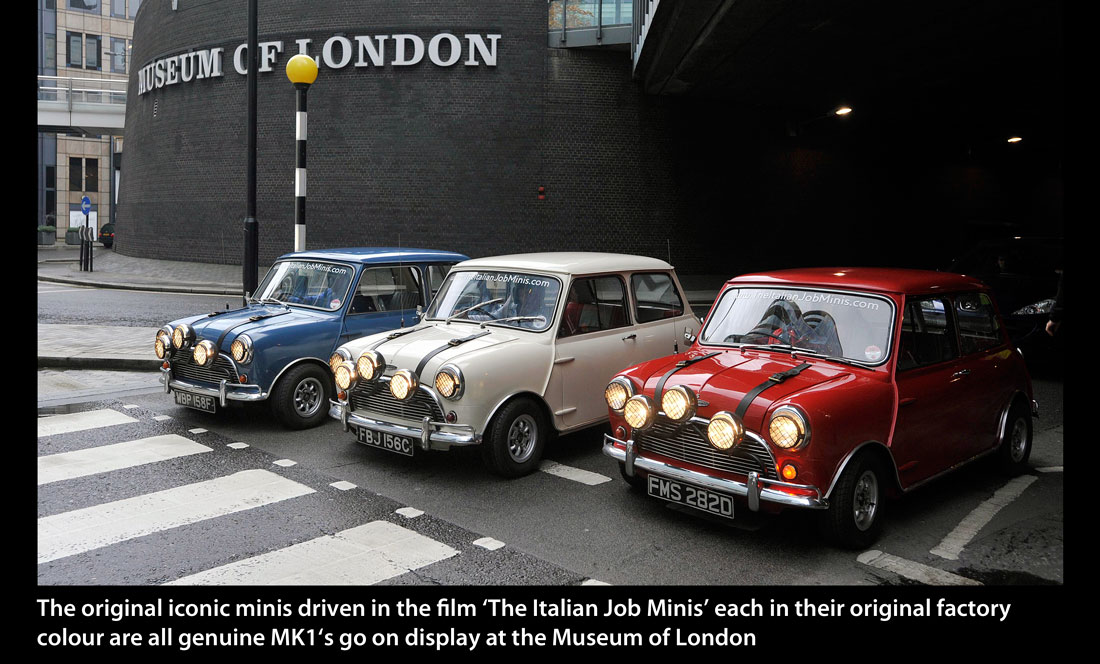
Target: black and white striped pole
(302, 72)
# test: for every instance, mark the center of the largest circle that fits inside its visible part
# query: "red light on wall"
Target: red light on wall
(542, 193)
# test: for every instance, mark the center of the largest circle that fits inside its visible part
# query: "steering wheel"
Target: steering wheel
(756, 331)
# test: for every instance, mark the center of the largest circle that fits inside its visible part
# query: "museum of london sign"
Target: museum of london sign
(398, 50)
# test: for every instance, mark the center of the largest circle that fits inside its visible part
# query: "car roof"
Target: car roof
(890, 280)
(569, 262)
(379, 255)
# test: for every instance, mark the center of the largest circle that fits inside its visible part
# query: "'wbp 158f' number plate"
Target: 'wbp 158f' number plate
(691, 495)
(385, 441)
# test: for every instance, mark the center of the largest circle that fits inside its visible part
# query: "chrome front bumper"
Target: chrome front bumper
(224, 391)
(432, 435)
(754, 489)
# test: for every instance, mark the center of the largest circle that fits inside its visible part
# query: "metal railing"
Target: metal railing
(104, 92)
(589, 18)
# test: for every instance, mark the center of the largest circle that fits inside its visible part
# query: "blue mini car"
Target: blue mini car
(277, 348)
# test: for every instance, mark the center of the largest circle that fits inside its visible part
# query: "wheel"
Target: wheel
(300, 398)
(1016, 447)
(854, 517)
(107, 244)
(637, 483)
(516, 438)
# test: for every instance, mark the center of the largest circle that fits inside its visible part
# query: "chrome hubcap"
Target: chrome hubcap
(308, 397)
(1018, 441)
(521, 438)
(865, 500)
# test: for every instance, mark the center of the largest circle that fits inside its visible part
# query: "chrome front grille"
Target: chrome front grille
(688, 443)
(184, 367)
(375, 399)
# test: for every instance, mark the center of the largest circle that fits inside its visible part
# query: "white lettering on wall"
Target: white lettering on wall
(443, 49)
(268, 53)
(455, 49)
(345, 52)
(399, 57)
(368, 49)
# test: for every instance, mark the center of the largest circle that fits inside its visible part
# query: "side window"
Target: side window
(436, 274)
(927, 336)
(593, 304)
(978, 327)
(655, 297)
(386, 289)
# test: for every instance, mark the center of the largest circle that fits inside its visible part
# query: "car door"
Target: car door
(385, 298)
(595, 340)
(930, 427)
(660, 315)
(983, 351)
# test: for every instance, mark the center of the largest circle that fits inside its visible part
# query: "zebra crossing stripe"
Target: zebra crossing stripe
(912, 570)
(968, 528)
(70, 465)
(82, 530)
(89, 419)
(571, 473)
(362, 555)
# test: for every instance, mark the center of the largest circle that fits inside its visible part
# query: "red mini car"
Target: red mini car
(827, 389)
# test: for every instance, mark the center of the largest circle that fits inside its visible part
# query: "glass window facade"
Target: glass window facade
(85, 5)
(92, 50)
(74, 53)
(118, 55)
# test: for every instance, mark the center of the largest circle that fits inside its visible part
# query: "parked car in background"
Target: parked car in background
(1023, 274)
(512, 350)
(825, 389)
(275, 349)
(107, 235)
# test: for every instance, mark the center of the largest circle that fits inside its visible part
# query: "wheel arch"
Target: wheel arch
(298, 362)
(879, 452)
(536, 398)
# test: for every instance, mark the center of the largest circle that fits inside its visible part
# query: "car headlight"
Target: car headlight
(725, 431)
(449, 383)
(339, 356)
(183, 336)
(241, 350)
(345, 376)
(639, 411)
(788, 428)
(1040, 307)
(403, 385)
(678, 403)
(205, 353)
(162, 346)
(370, 365)
(617, 392)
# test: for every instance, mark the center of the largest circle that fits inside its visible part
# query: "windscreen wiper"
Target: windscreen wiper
(469, 309)
(514, 318)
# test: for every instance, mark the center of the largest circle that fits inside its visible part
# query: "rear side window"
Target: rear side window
(594, 304)
(978, 326)
(655, 297)
(927, 334)
(386, 289)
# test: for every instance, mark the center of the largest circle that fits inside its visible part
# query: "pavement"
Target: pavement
(130, 348)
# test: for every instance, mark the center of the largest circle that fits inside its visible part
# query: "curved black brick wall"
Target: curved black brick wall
(422, 155)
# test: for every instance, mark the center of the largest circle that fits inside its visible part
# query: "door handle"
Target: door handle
(961, 373)
(630, 336)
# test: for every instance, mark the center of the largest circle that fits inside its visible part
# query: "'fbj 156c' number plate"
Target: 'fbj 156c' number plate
(196, 401)
(385, 441)
(691, 495)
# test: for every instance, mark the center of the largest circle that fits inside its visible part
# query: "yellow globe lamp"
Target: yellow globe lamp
(301, 70)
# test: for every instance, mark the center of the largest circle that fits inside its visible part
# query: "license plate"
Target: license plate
(691, 495)
(196, 401)
(385, 441)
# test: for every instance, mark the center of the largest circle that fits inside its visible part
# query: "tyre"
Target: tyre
(516, 438)
(1015, 450)
(300, 398)
(637, 483)
(854, 517)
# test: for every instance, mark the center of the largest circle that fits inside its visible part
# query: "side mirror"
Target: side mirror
(419, 312)
(688, 336)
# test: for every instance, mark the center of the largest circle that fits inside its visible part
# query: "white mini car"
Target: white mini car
(512, 349)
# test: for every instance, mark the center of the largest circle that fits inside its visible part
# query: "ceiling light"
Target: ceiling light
(1015, 139)
(843, 110)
